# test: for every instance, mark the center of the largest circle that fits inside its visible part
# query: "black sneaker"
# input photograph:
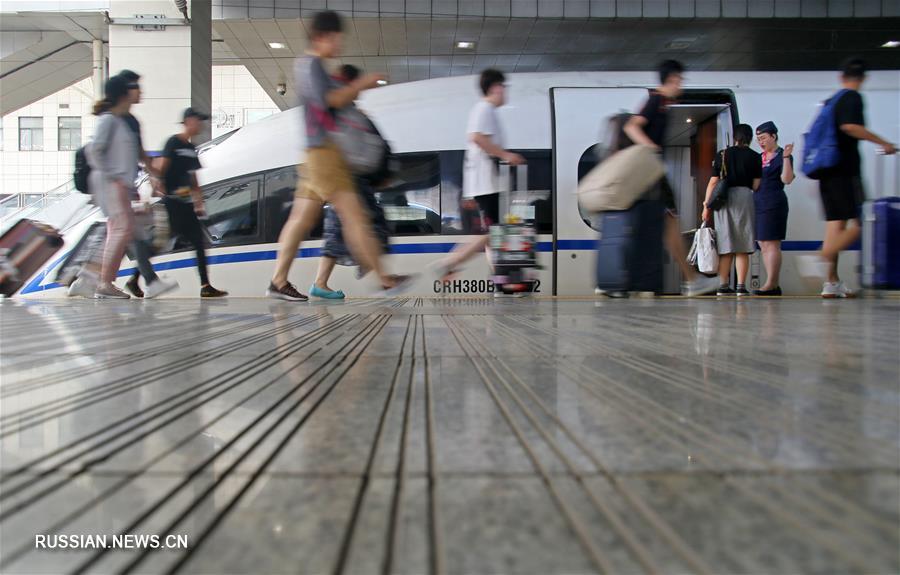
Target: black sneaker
(768, 292)
(741, 291)
(209, 291)
(724, 290)
(286, 292)
(134, 288)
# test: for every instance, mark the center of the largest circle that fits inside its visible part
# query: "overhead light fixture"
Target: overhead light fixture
(689, 120)
(680, 43)
(891, 44)
(276, 45)
(465, 45)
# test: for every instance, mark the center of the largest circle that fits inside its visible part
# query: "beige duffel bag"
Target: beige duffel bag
(620, 180)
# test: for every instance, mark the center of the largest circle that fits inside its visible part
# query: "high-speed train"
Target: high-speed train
(554, 120)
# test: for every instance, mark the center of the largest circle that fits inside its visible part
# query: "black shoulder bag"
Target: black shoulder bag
(719, 196)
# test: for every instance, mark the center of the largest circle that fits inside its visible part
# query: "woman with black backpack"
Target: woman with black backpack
(734, 215)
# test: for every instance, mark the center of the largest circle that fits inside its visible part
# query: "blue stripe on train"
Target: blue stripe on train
(424, 248)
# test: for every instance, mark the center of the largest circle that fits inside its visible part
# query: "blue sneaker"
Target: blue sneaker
(316, 291)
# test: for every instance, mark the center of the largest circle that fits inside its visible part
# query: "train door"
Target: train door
(578, 115)
(699, 125)
(697, 130)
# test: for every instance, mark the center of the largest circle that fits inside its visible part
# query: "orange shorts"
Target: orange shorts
(323, 174)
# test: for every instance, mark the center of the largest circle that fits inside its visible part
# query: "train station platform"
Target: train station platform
(448, 435)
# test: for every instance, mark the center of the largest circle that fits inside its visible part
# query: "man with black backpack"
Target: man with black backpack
(648, 128)
(840, 184)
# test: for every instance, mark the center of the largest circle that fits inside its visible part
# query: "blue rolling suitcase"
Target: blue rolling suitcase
(881, 235)
(630, 250)
(881, 244)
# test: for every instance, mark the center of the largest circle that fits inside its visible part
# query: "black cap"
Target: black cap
(130, 75)
(767, 128)
(115, 88)
(192, 113)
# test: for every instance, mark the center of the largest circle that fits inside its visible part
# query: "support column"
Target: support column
(175, 64)
(98, 69)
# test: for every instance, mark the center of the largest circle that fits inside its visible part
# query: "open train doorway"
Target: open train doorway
(697, 131)
(699, 125)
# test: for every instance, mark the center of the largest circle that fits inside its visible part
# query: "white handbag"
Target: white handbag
(704, 253)
(620, 180)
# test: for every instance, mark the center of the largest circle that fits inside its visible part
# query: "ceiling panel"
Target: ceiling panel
(428, 46)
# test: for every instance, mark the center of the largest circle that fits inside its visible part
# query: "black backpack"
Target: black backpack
(82, 170)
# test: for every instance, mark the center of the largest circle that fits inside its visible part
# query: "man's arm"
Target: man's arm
(485, 142)
(862, 133)
(346, 95)
(197, 195)
(634, 129)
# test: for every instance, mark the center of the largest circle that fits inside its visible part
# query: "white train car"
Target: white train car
(554, 119)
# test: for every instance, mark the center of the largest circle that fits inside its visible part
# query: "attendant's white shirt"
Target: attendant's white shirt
(479, 170)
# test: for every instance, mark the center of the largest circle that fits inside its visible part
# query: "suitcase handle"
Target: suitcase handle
(881, 191)
(507, 187)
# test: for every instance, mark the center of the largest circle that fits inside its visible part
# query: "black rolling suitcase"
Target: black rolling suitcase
(630, 250)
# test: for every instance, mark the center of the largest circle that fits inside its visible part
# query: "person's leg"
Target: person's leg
(304, 217)
(140, 250)
(119, 228)
(462, 254)
(488, 214)
(357, 231)
(742, 263)
(675, 246)
(837, 238)
(725, 261)
(771, 252)
(326, 266)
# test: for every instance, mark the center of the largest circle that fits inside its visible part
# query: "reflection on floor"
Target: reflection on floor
(452, 436)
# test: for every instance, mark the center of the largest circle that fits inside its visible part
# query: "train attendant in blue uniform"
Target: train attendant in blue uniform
(771, 203)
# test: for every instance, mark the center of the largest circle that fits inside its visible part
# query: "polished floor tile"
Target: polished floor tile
(453, 435)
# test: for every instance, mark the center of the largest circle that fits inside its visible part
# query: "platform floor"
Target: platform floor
(453, 435)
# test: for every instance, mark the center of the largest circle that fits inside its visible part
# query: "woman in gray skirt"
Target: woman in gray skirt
(735, 221)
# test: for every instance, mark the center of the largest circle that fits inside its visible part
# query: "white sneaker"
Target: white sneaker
(109, 291)
(834, 290)
(812, 266)
(83, 286)
(700, 286)
(404, 282)
(159, 287)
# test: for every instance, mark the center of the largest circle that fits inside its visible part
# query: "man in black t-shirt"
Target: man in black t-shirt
(841, 187)
(184, 200)
(648, 128)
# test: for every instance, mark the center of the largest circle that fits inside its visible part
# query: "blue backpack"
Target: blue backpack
(820, 144)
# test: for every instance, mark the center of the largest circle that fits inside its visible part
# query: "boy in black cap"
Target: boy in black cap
(184, 200)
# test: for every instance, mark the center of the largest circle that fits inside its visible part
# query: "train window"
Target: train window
(451, 191)
(278, 202)
(412, 201)
(233, 212)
